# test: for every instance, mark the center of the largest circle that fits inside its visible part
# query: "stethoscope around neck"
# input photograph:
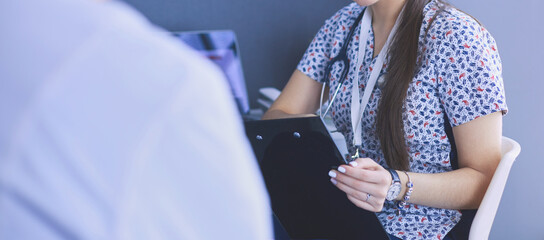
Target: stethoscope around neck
(341, 58)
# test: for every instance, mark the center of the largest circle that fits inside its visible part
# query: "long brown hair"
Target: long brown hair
(401, 70)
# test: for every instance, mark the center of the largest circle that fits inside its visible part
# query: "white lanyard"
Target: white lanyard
(356, 116)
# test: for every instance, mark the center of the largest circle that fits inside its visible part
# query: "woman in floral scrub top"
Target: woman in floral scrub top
(456, 79)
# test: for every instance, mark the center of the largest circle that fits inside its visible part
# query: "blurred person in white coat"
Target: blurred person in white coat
(110, 129)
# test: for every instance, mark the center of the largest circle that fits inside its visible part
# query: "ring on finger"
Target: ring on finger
(367, 197)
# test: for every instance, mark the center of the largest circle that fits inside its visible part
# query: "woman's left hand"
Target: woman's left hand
(365, 183)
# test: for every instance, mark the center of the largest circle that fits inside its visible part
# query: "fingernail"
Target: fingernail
(334, 181)
(342, 169)
(353, 163)
(332, 174)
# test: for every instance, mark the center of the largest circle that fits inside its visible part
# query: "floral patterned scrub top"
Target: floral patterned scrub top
(459, 78)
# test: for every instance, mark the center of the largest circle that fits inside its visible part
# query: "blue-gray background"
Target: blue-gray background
(274, 34)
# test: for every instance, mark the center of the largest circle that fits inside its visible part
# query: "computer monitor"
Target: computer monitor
(222, 48)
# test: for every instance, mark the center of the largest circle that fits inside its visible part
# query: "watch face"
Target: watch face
(393, 192)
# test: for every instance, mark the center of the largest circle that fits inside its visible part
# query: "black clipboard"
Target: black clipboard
(295, 155)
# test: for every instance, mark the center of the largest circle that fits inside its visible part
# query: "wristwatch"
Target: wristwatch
(394, 189)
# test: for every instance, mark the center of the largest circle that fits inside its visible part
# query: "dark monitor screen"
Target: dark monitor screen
(221, 47)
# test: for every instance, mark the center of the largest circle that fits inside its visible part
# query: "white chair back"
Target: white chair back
(483, 220)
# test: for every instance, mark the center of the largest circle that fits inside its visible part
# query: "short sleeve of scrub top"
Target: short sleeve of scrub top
(327, 42)
(469, 72)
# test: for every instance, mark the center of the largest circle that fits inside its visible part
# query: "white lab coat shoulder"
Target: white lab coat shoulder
(116, 131)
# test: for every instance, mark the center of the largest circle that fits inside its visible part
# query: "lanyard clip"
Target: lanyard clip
(356, 155)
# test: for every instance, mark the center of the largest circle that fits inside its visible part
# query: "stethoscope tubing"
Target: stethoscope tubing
(342, 57)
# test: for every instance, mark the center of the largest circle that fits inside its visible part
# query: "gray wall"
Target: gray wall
(270, 57)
